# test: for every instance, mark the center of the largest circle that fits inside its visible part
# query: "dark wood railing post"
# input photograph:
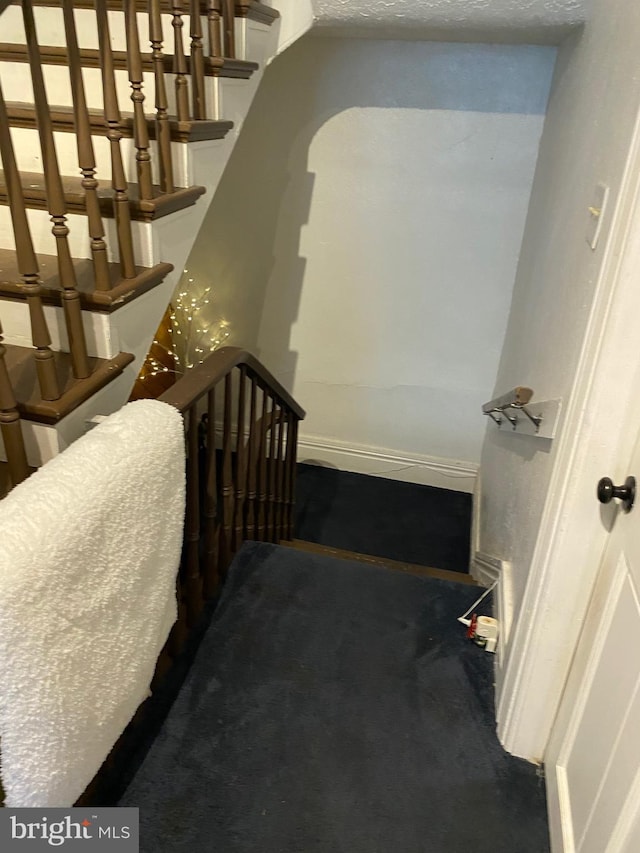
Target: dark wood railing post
(27, 263)
(252, 463)
(192, 521)
(163, 129)
(290, 474)
(212, 549)
(197, 61)
(86, 155)
(56, 202)
(121, 211)
(140, 131)
(10, 424)
(262, 468)
(280, 479)
(180, 63)
(226, 507)
(214, 27)
(240, 482)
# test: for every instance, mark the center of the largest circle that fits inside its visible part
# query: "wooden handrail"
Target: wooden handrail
(197, 381)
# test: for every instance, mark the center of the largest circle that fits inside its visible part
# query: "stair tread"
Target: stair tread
(122, 290)
(395, 565)
(256, 11)
(90, 58)
(33, 187)
(196, 130)
(21, 365)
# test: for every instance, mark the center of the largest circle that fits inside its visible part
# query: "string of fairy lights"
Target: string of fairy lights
(194, 335)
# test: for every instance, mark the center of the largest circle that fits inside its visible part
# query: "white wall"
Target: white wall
(591, 115)
(367, 234)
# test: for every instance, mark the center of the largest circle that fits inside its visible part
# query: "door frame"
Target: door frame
(595, 441)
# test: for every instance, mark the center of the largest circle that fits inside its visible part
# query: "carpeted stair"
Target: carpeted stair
(336, 707)
(384, 518)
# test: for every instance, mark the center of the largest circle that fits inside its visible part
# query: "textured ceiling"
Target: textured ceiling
(537, 21)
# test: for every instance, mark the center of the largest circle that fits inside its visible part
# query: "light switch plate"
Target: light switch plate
(596, 214)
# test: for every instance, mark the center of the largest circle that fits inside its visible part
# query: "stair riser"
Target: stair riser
(40, 227)
(101, 341)
(225, 97)
(232, 98)
(16, 84)
(28, 154)
(254, 41)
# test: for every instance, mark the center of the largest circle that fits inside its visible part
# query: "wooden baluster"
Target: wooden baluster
(86, 155)
(140, 131)
(56, 202)
(197, 61)
(214, 26)
(163, 129)
(192, 522)
(227, 480)
(290, 462)
(262, 471)
(10, 425)
(271, 474)
(279, 525)
(253, 457)
(211, 578)
(229, 34)
(240, 476)
(180, 63)
(27, 264)
(121, 211)
(293, 442)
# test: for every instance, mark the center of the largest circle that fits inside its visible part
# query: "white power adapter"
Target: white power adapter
(486, 634)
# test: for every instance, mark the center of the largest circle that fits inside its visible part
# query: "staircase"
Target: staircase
(117, 119)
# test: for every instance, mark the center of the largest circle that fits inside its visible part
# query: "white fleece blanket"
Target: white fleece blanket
(89, 548)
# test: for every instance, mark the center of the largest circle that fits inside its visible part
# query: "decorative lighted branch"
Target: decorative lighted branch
(193, 335)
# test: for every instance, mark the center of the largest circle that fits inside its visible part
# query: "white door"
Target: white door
(593, 758)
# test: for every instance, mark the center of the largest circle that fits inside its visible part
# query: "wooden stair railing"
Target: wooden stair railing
(240, 423)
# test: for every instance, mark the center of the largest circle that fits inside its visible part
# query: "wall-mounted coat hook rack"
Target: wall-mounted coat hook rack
(515, 408)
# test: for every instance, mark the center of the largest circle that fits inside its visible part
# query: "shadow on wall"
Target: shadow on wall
(251, 235)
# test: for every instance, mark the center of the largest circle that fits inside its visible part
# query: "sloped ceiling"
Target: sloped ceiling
(533, 21)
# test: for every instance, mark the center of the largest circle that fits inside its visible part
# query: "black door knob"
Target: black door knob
(627, 493)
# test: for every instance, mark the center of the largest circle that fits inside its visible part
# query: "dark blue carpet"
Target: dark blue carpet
(384, 518)
(336, 707)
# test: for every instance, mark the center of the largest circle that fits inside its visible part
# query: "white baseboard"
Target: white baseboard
(487, 570)
(459, 476)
